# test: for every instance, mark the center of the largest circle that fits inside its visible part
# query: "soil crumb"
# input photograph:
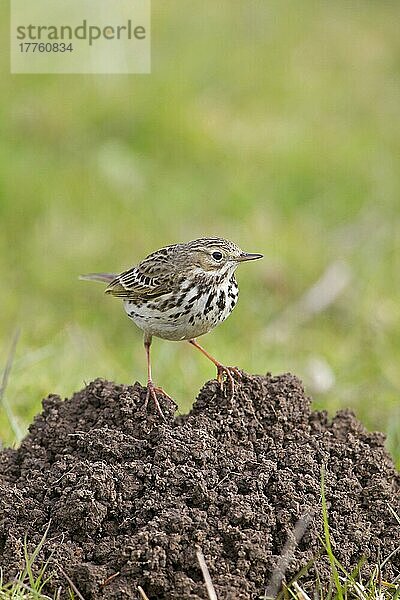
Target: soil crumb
(128, 498)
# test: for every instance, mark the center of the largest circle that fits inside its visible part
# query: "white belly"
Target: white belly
(196, 314)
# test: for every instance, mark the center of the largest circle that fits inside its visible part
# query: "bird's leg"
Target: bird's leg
(221, 369)
(152, 390)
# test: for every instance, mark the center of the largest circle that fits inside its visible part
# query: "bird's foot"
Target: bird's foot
(229, 373)
(152, 392)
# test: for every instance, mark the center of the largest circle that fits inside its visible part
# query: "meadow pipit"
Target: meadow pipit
(179, 293)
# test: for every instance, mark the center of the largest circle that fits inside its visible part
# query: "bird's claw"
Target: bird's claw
(152, 392)
(229, 373)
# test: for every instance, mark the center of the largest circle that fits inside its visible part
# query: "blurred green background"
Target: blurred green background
(275, 124)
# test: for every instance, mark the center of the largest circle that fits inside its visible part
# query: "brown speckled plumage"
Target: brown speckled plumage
(180, 292)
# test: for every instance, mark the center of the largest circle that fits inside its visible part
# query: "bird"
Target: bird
(179, 293)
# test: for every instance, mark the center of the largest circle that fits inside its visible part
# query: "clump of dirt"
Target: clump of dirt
(129, 498)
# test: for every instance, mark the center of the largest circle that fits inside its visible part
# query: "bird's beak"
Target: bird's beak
(248, 256)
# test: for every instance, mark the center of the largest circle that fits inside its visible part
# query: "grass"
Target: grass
(27, 585)
(276, 125)
(328, 547)
(344, 585)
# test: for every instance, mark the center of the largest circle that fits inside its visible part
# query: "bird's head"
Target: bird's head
(216, 255)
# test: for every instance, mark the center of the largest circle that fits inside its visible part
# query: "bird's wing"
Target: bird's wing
(151, 278)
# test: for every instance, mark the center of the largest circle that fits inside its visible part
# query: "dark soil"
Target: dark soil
(128, 495)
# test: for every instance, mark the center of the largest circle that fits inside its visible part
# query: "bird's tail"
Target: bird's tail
(104, 277)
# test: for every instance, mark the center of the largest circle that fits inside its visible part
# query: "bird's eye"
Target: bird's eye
(217, 255)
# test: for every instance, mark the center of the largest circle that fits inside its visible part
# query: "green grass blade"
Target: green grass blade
(328, 546)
